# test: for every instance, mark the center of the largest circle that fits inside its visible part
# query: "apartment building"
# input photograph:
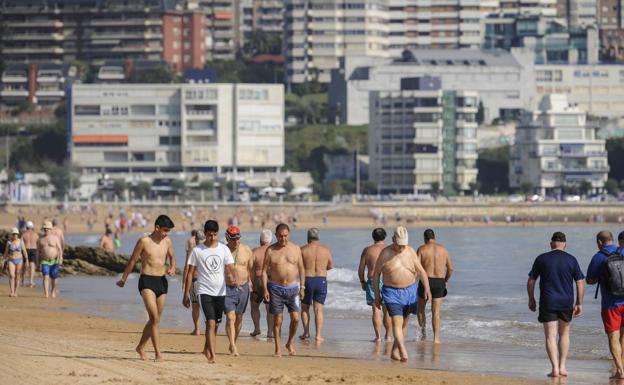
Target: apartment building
(498, 77)
(177, 127)
(317, 34)
(555, 147)
(610, 15)
(223, 27)
(529, 7)
(264, 15)
(418, 137)
(578, 13)
(96, 31)
(43, 84)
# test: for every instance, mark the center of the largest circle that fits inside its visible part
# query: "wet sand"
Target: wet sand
(42, 344)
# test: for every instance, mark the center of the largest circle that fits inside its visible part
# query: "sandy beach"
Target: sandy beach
(43, 343)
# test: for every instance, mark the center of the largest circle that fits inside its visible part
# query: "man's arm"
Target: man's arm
(330, 260)
(361, 269)
(24, 253)
(59, 247)
(188, 282)
(101, 246)
(136, 254)
(172, 259)
(231, 270)
(593, 270)
(531, 293)
(250, 270)
(265, 273)
(580, 294)
(449, 268)
(185, 272)
(376, 275)
(301, 273)
(422, 275)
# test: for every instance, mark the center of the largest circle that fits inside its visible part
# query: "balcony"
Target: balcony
(12, 77)
(50, 94)
(36, 36)
(199, 115)
(14, 93)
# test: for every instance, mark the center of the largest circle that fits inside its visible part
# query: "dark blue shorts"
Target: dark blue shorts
(280, 296)
(51, 270)
(315, 290)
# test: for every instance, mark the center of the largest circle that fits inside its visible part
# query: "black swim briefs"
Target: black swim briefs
(437, 287)
(546, 315)
(156, 283)
(32, 255)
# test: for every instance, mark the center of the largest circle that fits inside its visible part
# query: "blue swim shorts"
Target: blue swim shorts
(315, 290)
(400, 301)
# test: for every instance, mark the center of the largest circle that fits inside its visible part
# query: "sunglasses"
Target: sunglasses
(233, 237)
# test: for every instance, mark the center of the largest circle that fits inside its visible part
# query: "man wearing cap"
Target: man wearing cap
(317, 259)
(30, 238)
(237, 288)
(612, 307)
(257, 295)
(557, 271)
(399, 265)
(50, 250)
(283, 263)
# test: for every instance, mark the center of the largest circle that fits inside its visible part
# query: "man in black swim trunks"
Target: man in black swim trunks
(153, 251)
(436, 261)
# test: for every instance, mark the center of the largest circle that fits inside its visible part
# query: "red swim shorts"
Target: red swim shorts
(613, 319)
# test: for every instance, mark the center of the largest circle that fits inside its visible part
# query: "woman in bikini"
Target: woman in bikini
(15, 255)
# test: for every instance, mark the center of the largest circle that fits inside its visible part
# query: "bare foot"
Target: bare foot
(376, 340)
(320, 339)
(233, 351)
(553, 374)
(277, 354)
(437, 341)
(291, 349)
(53, 293)
(395, 356)
(255, 333)
(141, 353)
(195, 332)
(209, 357)
(304, 337)
(404, 359)
(159, 358)
(269, 336)
(563, 372)
(31, 285)
(617, 376)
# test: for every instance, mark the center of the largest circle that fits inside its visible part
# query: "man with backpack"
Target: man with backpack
(557, 271)
(604, 269)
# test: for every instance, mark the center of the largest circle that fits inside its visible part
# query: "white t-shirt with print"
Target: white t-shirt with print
(210, 266)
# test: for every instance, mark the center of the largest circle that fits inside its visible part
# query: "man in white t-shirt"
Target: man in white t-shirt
(211, 260)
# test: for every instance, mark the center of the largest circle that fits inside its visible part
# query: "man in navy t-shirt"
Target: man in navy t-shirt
(557, 271)
(612, 307)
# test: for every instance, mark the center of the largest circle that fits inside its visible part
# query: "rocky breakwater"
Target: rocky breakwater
(85, 260)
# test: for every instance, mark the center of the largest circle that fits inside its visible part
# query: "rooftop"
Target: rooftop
(457, 57)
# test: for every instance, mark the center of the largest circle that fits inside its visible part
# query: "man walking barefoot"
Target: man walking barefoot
(30, 238)
(368, 259)
(283, 263)
(257, 295)
(50, 252)
(153, 251)
(399, 265)
(557, 271)
(436, 261)
(317, 260)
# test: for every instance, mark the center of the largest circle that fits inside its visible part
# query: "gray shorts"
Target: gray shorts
(280, 296)
(236, 298)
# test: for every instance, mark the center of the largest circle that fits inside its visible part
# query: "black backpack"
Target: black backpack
(614, 270)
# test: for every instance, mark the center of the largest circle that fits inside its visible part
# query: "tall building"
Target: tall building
(184, 40)
(43, 84)
(421, 137)
(177, 127)
(317, 34)
(578, 12)
(555, 147)
(529, 7)
(223, 31)
(610, 17)
(95, 31)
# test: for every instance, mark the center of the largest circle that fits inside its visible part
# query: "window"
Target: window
(87, 110)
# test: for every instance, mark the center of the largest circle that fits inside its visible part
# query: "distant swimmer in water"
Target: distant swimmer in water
(437, 263)
(368, 259)
(257, 295)
(317, 260)
(399, 265)
(30, 238)
(557, 272)
(106, 242)
(15, 254)
(283, 263)
(153, 252)
(50, 250)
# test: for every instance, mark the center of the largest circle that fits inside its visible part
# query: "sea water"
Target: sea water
(486, 324)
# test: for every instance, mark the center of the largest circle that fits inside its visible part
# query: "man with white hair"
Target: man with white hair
(257, 295)
(30, 238)
(399, 265)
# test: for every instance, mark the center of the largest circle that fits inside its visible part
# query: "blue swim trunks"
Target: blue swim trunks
(315, 290)
(400, 301)
(280, 296)
(370, 292)
(50, 269)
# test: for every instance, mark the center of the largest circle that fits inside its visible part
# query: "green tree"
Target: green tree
(62, 178)
(615, 153)
(178, 186)
(475, 186)
(527, 187)
(119, 187)
(142, 189)
(368, 187)
(435, 188)
(493, 168)
(480, 118)
(42, 184)
(611, 186)
(584, 187)
(288, 185)
(206, 185)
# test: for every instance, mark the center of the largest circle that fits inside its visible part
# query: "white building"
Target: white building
(317, 34)
(555, 147)
(420, 137)
(177, 127)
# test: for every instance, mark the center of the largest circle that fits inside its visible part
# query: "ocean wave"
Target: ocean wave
(344, 275)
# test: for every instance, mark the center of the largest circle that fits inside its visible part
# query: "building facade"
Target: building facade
(177, 127)
(419, 138)
(43, 84)
(555, 147)
(318, 34)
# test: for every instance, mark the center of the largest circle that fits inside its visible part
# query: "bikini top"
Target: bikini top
(15, 249)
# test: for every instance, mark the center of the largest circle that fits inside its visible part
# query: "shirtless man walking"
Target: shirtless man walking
(106, 242)
(367, 264)
(317, 259)
(283, 262)
(237, 286)
(257, 295)
(56, 230)
(50, 250)
(399, 265)
(200, 238)
(153, 251)
(30, 238)
(437, 263)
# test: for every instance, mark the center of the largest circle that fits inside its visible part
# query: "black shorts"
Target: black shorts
(212, 306)
(437, 287)
(546, 315)
(32, 255)
(156, 283)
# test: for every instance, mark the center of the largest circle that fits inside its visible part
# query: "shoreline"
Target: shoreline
(83, 349)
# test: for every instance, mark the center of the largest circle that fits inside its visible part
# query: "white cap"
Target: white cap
(30, 225)
(14, 230)
(266, 236)
(401, 236)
